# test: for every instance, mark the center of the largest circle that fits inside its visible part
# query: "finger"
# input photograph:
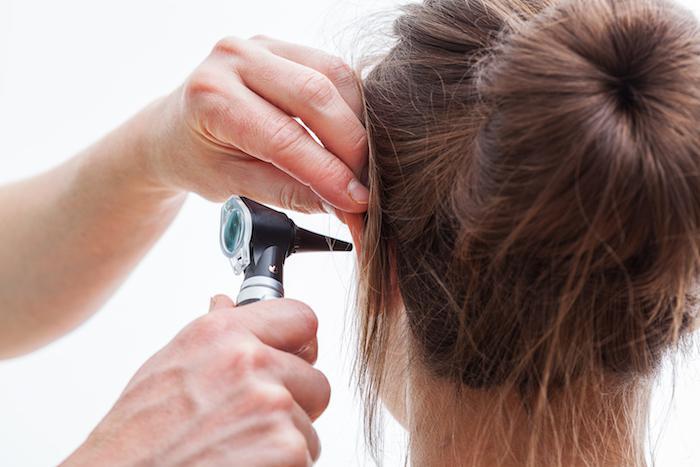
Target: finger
(308, 386)
(310, 95)
(279, 189)
(220, 301)
(263, 182)
(266, 132)
(286, 325)
(344, 78)
(303, 423)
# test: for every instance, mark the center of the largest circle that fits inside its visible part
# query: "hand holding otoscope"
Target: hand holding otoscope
(257, 359)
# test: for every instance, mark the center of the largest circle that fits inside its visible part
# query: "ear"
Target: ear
(355, 223)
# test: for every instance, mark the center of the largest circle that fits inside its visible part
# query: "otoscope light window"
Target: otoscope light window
(236, 229)
(233, 231)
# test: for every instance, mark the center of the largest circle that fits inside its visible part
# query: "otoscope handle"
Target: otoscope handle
(258, 288)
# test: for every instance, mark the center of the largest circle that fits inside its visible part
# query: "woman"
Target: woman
(530, 250)
(527, 258)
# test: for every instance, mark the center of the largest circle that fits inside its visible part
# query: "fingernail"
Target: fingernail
(358, 192)
(302, 349)
(328, 208)
(212, 303)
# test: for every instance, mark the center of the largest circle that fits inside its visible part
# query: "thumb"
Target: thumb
(220, 301)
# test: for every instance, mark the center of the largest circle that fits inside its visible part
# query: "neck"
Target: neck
(487, 428)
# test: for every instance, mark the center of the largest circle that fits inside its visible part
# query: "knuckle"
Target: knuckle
(205, 100)
(287, 196)
(340, 72)
(203, 330)
(335, 171)
(259, 38)
(202, 83)
(293, 445)
(287, 135)
(230, 45)
(261, 357)
(249, 356)
(298, 197)
(325, 392)
(322, 395)
(305, 314)
(274, 398)
(315, 89)
(324, 387)
(358, 141)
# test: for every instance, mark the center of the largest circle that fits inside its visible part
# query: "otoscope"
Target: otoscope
(257, 240)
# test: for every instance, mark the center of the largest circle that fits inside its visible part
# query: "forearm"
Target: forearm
(70, 236)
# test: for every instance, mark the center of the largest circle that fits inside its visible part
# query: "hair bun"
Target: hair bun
(616, 55)
(593, 112)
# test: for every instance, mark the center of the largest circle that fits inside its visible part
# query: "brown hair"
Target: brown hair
(535, 196)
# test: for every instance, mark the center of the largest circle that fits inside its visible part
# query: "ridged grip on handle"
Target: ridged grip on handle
(258, 288)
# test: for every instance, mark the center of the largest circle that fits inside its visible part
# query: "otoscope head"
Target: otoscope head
(258, 239)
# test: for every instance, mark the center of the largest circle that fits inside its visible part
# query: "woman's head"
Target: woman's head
(535, 193)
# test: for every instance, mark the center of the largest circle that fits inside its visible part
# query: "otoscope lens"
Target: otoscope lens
(233, 231)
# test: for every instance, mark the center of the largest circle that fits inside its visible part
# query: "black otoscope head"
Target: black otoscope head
(258, 239)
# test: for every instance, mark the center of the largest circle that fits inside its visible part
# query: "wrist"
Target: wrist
(123, 166)
(97, 451)
(154, 151)
(84, 455)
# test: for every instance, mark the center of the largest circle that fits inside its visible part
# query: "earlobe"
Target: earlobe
(355, 223)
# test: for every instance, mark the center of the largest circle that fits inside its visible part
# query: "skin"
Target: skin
(234, 381)
(235, 387)
(436, 417)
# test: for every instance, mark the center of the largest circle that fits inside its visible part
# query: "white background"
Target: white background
(72, 70)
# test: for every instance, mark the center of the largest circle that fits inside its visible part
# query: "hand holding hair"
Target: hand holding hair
(230, 129)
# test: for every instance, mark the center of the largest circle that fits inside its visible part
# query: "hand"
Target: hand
(230, 128)
(235, 387)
